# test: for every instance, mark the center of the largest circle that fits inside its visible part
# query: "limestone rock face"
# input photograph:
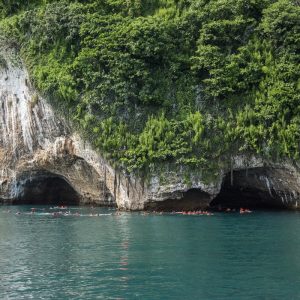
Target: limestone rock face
(42, 160)
(36, 143)
(261, 185)
(250, 182)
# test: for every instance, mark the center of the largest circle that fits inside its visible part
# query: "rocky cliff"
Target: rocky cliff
(37, 145)
(42, 160)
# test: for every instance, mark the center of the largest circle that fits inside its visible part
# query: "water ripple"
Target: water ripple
(131, 256)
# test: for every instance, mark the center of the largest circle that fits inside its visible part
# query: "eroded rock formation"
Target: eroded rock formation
(42, 160)
(273, 187)
(35, 143)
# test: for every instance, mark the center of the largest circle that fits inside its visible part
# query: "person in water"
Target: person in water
(244, 210)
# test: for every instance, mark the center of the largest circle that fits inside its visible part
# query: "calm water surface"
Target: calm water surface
(135, 256)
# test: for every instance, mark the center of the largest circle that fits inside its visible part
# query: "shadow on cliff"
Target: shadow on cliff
(44, 188)
(255, 188)
(250, 188)
(191, 200)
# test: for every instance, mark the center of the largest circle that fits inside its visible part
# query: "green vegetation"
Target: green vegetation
(190, 82)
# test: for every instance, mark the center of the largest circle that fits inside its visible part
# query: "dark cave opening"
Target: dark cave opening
(247, 189)
(45, 189)
(191, 200)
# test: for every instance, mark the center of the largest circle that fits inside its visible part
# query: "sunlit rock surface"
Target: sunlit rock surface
(42, 160)
(34, 141)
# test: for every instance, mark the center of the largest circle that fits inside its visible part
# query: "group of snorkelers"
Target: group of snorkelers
(65, 211)
(197, 212)
(241, 210)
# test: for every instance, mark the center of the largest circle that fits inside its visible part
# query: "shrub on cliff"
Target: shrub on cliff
(167, 81)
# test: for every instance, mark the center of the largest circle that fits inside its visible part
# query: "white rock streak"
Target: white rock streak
(24, 119)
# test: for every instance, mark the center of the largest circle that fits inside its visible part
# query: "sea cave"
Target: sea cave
(45, 188)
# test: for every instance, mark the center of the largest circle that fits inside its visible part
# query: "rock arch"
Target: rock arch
(42, 187)
(34, 142)
(262, 187)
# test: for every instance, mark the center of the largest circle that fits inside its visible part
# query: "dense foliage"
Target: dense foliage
(186, 81)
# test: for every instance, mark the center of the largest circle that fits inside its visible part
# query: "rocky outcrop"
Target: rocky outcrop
(264, 186)
(246, 182)
(43, 159)
(35, 141)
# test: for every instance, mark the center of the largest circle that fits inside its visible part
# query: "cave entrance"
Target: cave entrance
(248, 189)
(45, 189)
(191, 200)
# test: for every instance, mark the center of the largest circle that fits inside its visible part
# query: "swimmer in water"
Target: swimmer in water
(245, 210)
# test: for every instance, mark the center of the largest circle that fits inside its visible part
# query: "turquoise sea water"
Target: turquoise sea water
(136, 256)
